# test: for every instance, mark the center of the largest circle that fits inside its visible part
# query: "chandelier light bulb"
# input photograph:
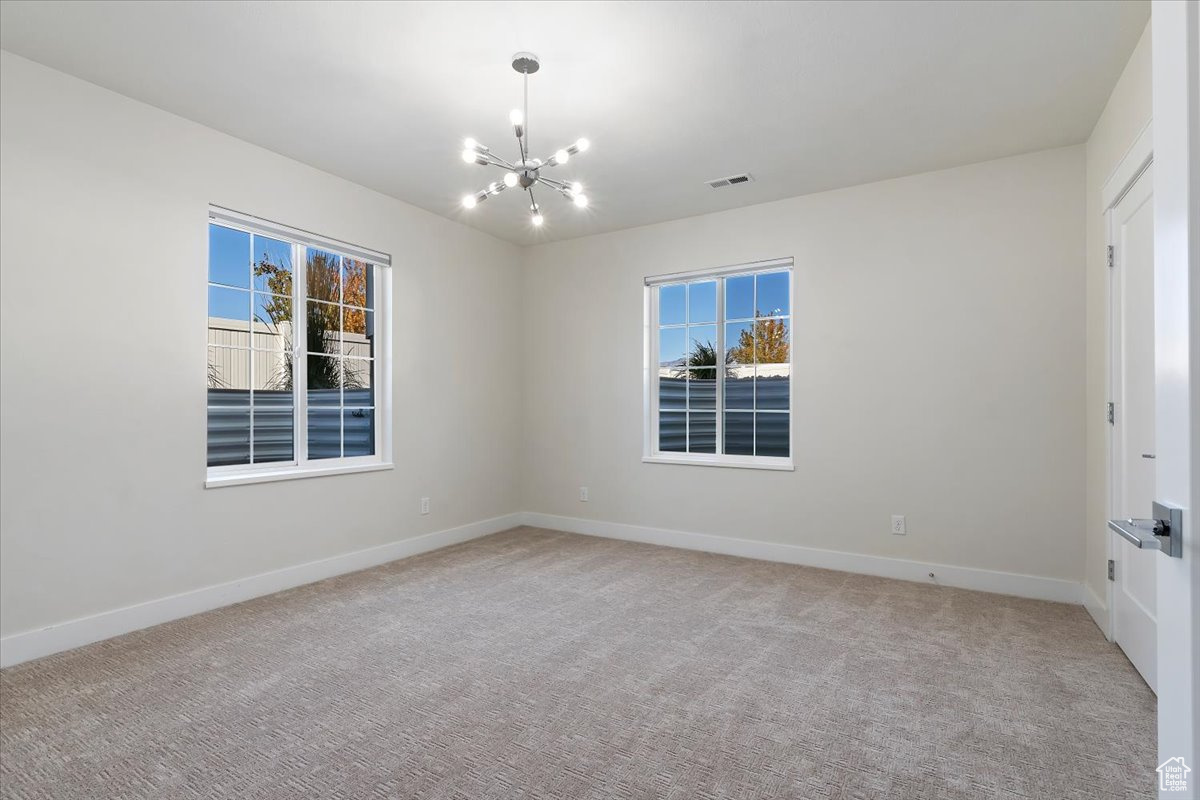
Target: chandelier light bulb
(469, 201)
(471, 144)
(468, 156)
(581, 200)
(583, 145)
(576, 188)
(562, 157)
(510, 179)
(516, 117)
(537, 220)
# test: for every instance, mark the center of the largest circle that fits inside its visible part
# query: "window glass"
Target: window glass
(724, 379)
(255, 326)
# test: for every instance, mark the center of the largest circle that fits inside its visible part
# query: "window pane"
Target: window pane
(671, 308)
(739, 433)
(702, 346)
(356, 324)
(272, 266)
(324, 322)
(324, 276)
(228, 316)
(229, 376)
(702, 302)
(324, 433)
(773, 298)
(702, 433)
(358, 382)
(772, 387)
(772, 434)
(772, 342)
(324, 381)
(228, 436)
(359, 432)
(356, 283)
(228, 406)
(739, 297)
(672, 389)
(273, 314)
(672, 346)
(739, 343)
(228, 257)
(702, 388)
(739, 387)
(274, 414)
(672, 432)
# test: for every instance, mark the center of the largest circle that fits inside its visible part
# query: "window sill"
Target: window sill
(290, 474)
(736, 462)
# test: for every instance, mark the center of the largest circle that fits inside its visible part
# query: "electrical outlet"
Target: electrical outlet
(424, 505)
(899, 527)
(583, 494)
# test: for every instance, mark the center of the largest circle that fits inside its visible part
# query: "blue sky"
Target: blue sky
(697, 302)
(230, 255)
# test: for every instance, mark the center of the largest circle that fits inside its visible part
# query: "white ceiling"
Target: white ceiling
(807, 96)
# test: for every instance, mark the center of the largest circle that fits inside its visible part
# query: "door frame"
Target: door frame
(1175, 61)
(1133, 164)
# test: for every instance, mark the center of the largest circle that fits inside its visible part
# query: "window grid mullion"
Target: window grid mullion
(754, 385)
(687, 372)
(250, 269)
(300, 350)
(720, 404)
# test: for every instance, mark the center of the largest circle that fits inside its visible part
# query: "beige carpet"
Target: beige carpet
(548, 665)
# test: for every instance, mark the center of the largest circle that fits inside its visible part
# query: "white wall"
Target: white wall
(1128, 112)
(939, 334)
(103, 206)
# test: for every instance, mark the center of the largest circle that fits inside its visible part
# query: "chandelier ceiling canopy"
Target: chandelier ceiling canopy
(526, 171)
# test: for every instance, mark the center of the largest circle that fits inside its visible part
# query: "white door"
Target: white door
(1131, 235)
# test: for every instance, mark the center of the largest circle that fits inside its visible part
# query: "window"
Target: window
(277, 299)
(718, 387)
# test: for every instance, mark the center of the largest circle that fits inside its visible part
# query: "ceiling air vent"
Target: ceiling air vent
(745, 177)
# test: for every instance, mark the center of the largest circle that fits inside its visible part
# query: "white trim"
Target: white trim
(1098, 609)
(266, 227)
(29, 645)
(983, 580)
(710, 460)
(290, 473)
(720, 272)
(1132, 164)
(1129, 169)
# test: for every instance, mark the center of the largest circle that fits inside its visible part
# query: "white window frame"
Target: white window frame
(381, 314)
(650, 452)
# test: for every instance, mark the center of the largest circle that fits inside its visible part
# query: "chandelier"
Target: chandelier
(526, 172)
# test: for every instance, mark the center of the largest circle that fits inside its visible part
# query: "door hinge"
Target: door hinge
(1110, 256)
(1112, 414)
(1112, 570)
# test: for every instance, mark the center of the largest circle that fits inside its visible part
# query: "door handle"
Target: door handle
(1164, 532)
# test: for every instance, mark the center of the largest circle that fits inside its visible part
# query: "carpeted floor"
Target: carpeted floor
(540, 664)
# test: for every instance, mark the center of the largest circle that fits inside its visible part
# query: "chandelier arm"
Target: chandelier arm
(553, 184)
(497, 161)
(552, 161)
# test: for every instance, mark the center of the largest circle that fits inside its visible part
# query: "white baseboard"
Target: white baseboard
(1033, 586)
(33, 644)
(1098, 608)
